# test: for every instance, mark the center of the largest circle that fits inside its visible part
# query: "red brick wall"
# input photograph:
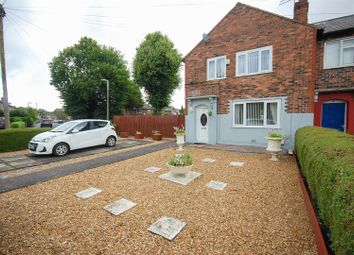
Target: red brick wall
(342, 77)
(245, 28)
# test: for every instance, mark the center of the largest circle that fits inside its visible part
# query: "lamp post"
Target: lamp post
(107, 82)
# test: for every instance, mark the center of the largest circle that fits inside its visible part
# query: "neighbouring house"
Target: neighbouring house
(253, 73)
(146, 109)
(334, 88)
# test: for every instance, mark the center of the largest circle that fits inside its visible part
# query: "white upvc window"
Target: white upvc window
(257, 113)
(255, 61)
(216, 68)
(339, 53)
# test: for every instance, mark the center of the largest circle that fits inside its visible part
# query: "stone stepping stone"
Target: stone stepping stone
(88, 193)
(152, 169)
(167, 227)
(208, 160)
(237, 163)
(4, 167)
(119, 206)
(216, 185)
(183, 180)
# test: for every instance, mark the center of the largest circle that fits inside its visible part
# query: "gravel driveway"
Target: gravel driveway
(260, 211)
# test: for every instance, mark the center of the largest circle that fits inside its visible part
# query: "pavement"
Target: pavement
(16, 182)
(30, 160)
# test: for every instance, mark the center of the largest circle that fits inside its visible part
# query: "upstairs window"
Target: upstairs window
(339, 53)
(254, 61)
(216, 68)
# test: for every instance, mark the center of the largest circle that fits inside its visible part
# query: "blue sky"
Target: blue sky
(36, 30)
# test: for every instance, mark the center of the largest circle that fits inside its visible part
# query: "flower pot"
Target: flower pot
(180, 170)
(180, 141)
(274, 144)
(124, 134)
(139, 136)
(157, 137)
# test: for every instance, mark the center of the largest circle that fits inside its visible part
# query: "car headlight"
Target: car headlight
(45, 140)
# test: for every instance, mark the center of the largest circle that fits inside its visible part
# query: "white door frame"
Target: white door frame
(198, 125)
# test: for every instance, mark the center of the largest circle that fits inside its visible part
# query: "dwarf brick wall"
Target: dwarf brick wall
(245, 28)
(342, 77)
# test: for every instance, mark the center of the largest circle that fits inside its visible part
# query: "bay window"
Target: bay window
(254, 61)
(256, 113)
(339, 53)
(216, 68)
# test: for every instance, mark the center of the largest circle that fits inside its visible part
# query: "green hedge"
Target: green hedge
(326, 158)
(18, 124)
(18, 138)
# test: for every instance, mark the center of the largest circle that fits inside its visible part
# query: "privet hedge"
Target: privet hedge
(326, 158)
(17, 138)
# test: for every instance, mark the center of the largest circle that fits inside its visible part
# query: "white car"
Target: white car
(74, 135)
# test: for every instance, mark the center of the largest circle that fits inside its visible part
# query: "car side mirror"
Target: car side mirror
(74, 131)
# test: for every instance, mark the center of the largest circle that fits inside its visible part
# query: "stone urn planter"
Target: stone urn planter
(274, 144)
(139, 135)
(124, 134)
(180, 164)
(156, 136)
(180, 170)
(180, 142)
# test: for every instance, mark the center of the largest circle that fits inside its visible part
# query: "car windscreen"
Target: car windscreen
(65, 127)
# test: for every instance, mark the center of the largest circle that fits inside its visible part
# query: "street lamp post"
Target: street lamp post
(107, 82)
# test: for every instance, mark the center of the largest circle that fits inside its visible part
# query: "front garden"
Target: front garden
(259, 209)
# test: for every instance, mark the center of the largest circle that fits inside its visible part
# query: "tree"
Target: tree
(77, 73)
(32, 113)
(181, 111)
(156, 69)
(60, 114)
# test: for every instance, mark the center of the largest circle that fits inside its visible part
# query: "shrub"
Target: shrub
(18, 124)
(275, 135)
(326, 158)
(17, 139)
(181, 160)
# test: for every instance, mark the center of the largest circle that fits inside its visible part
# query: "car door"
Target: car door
(100, 130)
(79, 136)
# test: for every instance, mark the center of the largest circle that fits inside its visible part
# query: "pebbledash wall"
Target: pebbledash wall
(292, 78)
(221, 131)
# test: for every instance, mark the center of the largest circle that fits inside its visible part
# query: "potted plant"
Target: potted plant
(156, 135)
(124, 134)
(180, 132)
(274, 143)
(139, 135)
(180, 164)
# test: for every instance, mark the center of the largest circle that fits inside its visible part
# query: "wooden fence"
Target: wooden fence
(147, 123)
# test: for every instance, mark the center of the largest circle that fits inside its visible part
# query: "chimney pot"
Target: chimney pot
(301, 9)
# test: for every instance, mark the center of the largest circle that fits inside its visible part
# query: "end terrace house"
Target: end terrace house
(253, 73)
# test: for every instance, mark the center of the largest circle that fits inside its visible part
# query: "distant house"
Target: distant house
(146, 109)
(257, 72)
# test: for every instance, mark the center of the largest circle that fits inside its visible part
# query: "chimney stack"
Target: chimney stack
(301, 9)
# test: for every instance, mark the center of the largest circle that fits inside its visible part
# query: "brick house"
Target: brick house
(253, 73)
(334, 88)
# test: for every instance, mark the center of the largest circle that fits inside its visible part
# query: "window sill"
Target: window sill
(336, 67)
(251, 74)
(216, 79)
(254, 127)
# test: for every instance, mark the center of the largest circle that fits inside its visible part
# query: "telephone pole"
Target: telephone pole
(5, 99)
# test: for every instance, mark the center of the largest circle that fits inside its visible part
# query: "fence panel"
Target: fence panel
(147, 123)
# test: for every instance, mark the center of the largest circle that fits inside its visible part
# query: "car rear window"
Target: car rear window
(98, 124)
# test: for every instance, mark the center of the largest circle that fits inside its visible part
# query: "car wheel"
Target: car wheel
(61, 149)
(111, 141)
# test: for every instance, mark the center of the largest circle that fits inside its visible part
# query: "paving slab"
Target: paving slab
(119, 206)
(216, 185)
(15, 158)
(22, 163)
(208, 160)
(4, 167)
(237, 163)
(167, 227)
(86, 193)
(180, 179)
(152, 169)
